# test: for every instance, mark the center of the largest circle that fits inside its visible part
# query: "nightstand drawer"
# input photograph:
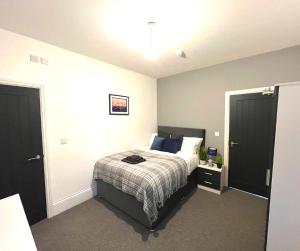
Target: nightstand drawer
(209, 182)
(209, 175)
(209, 178)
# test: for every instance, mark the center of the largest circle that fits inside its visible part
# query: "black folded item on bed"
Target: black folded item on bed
(133, 159)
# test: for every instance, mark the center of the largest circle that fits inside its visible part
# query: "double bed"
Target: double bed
(148, 191)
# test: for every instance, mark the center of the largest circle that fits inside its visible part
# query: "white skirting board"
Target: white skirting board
(72, 201)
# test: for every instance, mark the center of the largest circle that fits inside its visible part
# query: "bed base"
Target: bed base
(129, 204)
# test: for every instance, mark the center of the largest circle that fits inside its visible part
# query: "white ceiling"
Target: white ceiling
(209, 31)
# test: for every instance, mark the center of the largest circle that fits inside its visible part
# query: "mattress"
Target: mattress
(191, 159)
(151, 182)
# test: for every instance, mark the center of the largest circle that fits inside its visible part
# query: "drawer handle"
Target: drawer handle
(207, 182)
(208, 173)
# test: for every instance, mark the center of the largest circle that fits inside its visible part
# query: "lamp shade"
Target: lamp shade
(212, 151)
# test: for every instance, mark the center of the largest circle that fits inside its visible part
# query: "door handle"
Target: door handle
(232, 144)
(37, 157)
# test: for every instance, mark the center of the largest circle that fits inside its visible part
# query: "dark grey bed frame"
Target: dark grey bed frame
(128, 203)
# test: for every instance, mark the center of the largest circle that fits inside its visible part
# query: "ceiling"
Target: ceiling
(115, 31)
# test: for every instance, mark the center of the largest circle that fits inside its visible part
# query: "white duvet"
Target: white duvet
(191, 159)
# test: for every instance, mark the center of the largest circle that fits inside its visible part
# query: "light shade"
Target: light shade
(212, 151)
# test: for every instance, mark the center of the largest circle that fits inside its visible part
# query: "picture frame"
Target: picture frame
(118, 104)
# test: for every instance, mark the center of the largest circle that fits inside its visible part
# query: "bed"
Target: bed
(180, 169)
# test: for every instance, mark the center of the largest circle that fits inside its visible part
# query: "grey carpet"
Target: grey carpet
(205, 221)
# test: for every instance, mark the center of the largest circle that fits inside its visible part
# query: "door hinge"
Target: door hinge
(268, 91)
(268, 177)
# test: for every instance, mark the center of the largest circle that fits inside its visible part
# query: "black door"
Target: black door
(21, 153)
(251, 142)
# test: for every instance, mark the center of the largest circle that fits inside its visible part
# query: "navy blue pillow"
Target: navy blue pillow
(157, 143)
(179, 137)
(171, 145)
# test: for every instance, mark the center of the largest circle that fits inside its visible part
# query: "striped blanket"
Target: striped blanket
(151, 182)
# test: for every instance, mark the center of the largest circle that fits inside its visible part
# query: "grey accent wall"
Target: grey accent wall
(196, 98)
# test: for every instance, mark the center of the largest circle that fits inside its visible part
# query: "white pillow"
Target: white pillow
(191, 144)
(152, 138)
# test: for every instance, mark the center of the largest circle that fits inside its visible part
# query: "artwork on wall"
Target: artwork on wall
(118, 105)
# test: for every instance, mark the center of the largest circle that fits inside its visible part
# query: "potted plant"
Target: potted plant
(203, 155)
(219, 161)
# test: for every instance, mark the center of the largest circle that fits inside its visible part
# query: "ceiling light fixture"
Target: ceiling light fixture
(151, 52)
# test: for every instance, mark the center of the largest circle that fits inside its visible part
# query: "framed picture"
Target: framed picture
(118, 105)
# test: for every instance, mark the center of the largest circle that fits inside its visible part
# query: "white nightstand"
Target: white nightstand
(211, 178)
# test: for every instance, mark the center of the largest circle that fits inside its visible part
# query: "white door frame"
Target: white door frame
(48, 183)
(228, 94)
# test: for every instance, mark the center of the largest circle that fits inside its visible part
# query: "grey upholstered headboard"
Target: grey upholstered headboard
(187, 132)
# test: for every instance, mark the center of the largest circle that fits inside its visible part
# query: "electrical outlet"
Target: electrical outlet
(34, 58)
(63, 141)
(44, 61)
(217, 134)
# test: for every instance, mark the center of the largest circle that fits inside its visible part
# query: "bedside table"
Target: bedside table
(211, 178)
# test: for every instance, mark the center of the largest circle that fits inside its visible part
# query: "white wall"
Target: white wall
(76, 92)
(284, 223)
